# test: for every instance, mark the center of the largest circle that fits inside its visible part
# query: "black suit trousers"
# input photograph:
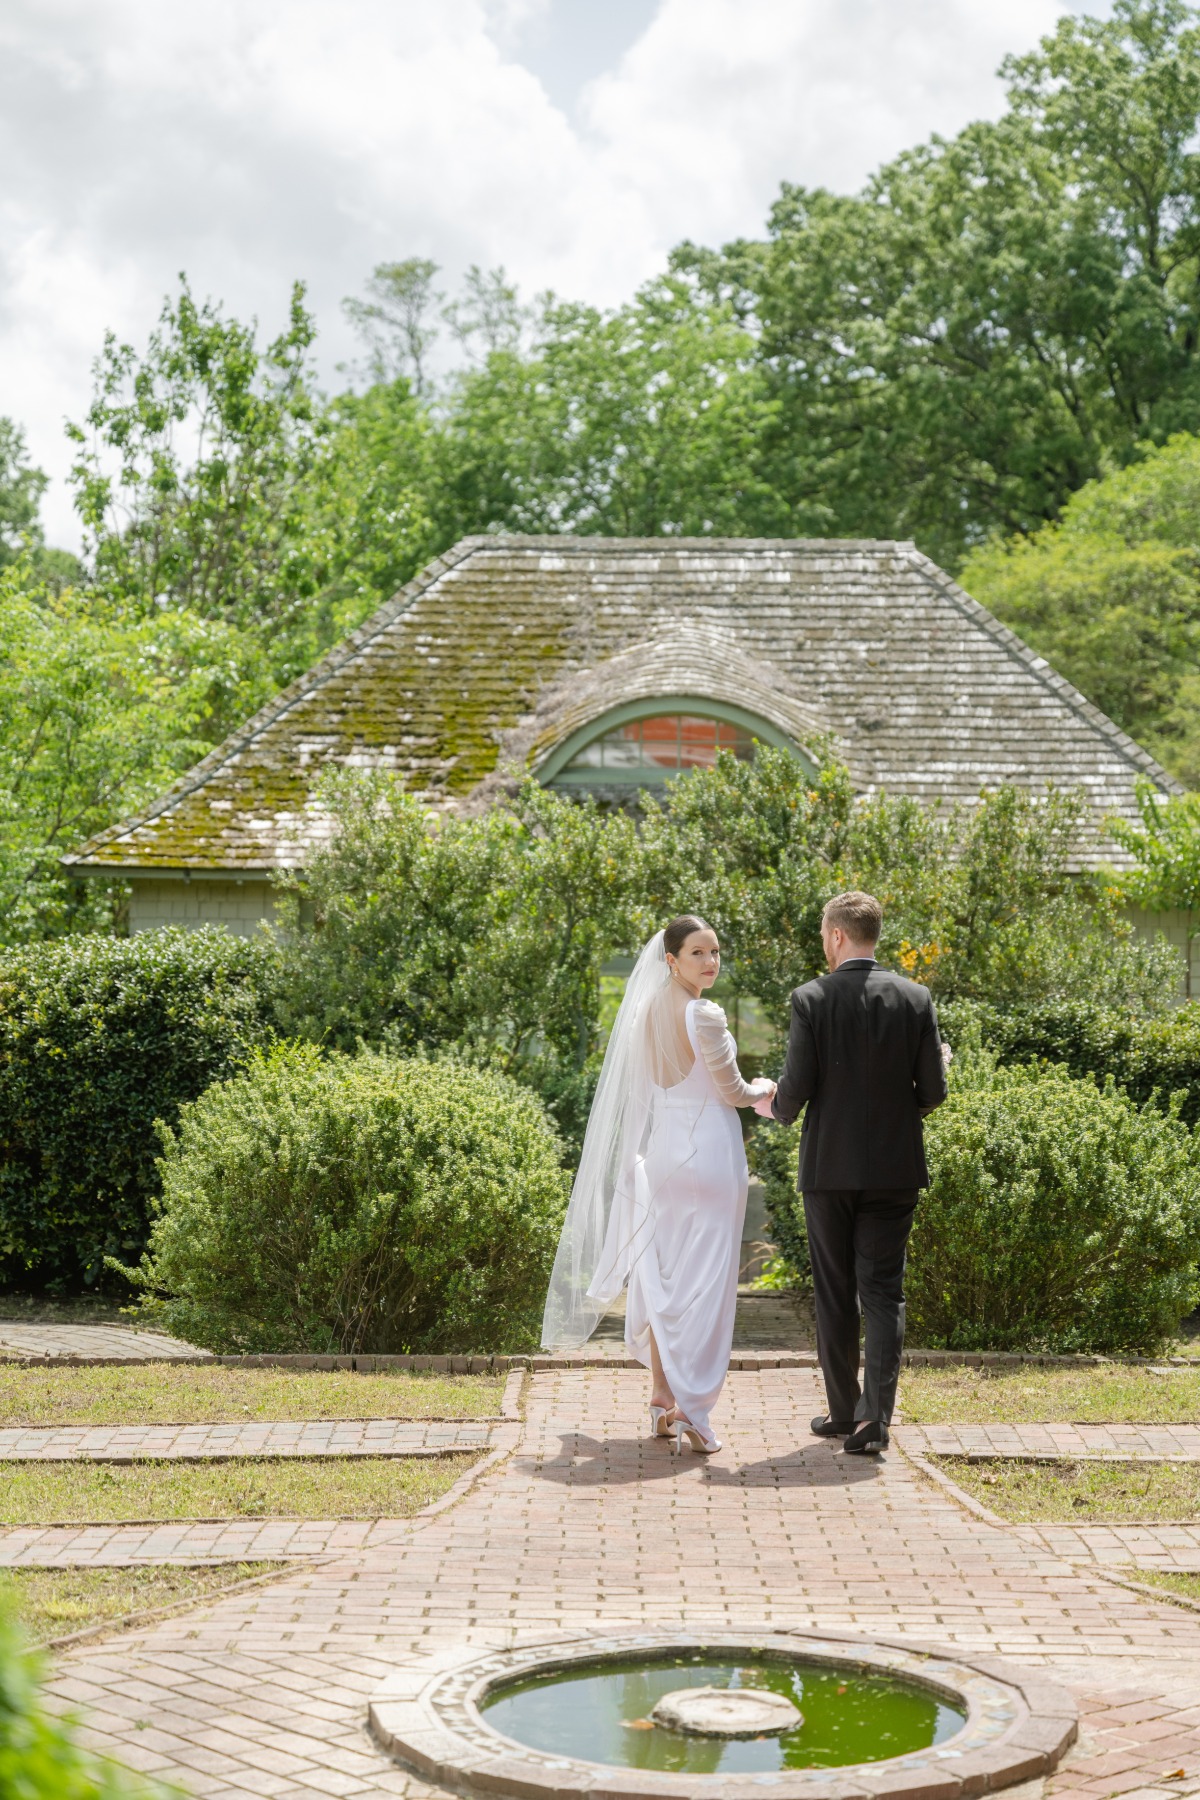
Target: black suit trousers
(857, 1240)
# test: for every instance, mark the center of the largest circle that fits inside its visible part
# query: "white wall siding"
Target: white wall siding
(237, 905)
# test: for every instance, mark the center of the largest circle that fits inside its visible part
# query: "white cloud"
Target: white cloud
(252, 141)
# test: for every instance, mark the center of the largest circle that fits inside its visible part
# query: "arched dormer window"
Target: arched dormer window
(646, 742)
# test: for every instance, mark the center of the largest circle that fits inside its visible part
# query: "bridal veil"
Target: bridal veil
(609, 1220)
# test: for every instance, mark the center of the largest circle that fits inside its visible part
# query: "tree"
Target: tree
(999, 315)
(191, 470)
(646, 421)
(396, 321)
(489, 315)
(1166, 846)
(21, 490)
(100, 709)
(1110, 595)
(482, 934)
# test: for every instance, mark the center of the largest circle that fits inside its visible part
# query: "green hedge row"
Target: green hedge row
(1144, 1055)
(99, 1038)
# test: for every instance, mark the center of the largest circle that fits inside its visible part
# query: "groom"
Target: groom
(865, 1057)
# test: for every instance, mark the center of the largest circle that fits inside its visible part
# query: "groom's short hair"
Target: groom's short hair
(859, 915)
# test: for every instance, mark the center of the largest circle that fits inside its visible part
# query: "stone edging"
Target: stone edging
(496, 1364)
(1018, 1727)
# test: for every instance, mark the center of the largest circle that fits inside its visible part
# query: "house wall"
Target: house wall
(1174, 927)
(238, 905)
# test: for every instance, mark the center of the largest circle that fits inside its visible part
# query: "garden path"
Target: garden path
(93, 1343)
(1158, 1443)
(195, 1443)
(590, 1523)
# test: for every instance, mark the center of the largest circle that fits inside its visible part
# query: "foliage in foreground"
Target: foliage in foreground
(38, 1757)
(356, 1204)
(1060, 1217)
(100, 1037)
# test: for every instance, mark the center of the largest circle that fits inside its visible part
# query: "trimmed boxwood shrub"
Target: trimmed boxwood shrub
(1061, 1217)
(99, 1037)
(357, 1204)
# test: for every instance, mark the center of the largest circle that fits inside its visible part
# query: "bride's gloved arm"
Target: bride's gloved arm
(720, 1057)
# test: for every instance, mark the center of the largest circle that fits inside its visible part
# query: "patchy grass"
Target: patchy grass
(165, 1394)
(328, 1487)
(52, 1603)
(1110, 1394)
(1086, 1492)
(1176, 1581)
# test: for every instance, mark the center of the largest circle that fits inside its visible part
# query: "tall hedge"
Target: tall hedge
(99, 1037)
(1144, 1055)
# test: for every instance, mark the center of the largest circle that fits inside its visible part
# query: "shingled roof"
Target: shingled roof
(503, 647)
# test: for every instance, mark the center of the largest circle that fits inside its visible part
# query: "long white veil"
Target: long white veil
(608, 1221)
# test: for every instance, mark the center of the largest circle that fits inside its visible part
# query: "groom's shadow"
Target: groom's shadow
(584, 1461)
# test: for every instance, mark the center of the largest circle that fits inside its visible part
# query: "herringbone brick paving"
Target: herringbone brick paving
(589, 1523)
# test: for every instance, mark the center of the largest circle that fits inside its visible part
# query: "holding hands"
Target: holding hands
(764, 1092)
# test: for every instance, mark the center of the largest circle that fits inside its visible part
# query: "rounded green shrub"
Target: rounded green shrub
(1060, 1217)
(357, 1204)
(99, 1038)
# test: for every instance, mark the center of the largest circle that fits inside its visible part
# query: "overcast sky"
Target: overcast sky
(249, 142)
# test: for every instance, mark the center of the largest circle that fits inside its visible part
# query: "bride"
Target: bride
(660, 1195)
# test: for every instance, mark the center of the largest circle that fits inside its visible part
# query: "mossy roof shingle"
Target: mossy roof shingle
(504, 645)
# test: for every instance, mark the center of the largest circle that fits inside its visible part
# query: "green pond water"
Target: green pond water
(601, 1714)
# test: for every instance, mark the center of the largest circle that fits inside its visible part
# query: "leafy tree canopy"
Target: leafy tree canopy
(1110, 595)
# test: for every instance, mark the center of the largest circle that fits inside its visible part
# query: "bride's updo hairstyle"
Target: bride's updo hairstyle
(676, 934)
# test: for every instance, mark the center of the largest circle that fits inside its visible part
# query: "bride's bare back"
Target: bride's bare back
(669, 1051)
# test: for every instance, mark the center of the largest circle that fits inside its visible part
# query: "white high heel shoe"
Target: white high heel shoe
(658, 1421)
(680, 1429)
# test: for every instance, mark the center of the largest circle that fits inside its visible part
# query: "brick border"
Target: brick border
(1019, 1725)
(499, 1364)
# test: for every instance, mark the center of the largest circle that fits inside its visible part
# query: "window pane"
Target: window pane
(664, 744)
(698, 743)
(622, 749)
(660, 743)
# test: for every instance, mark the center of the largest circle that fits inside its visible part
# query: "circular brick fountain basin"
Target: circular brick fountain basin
(433, 1717)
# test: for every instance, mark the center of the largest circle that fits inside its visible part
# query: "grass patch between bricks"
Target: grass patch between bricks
(1176, 1581)
(165, 1394)
(1107, 1395)
(1079, 1492)
(327, 1487)
(53, 1603)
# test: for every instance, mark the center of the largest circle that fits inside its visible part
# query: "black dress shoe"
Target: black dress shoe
(869, 1439)
(831, 1427)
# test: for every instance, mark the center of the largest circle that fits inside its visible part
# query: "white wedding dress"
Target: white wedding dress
(660, 1194)
(683, 1285)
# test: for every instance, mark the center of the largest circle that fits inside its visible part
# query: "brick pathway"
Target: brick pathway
(92, 1343)
(1158, 1443)
(204, 1443)
(589, 1523)
(1128, 1547)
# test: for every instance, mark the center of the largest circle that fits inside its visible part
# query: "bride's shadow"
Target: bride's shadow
(590, 1462)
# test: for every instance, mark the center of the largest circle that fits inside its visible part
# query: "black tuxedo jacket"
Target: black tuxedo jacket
(865, 1056)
